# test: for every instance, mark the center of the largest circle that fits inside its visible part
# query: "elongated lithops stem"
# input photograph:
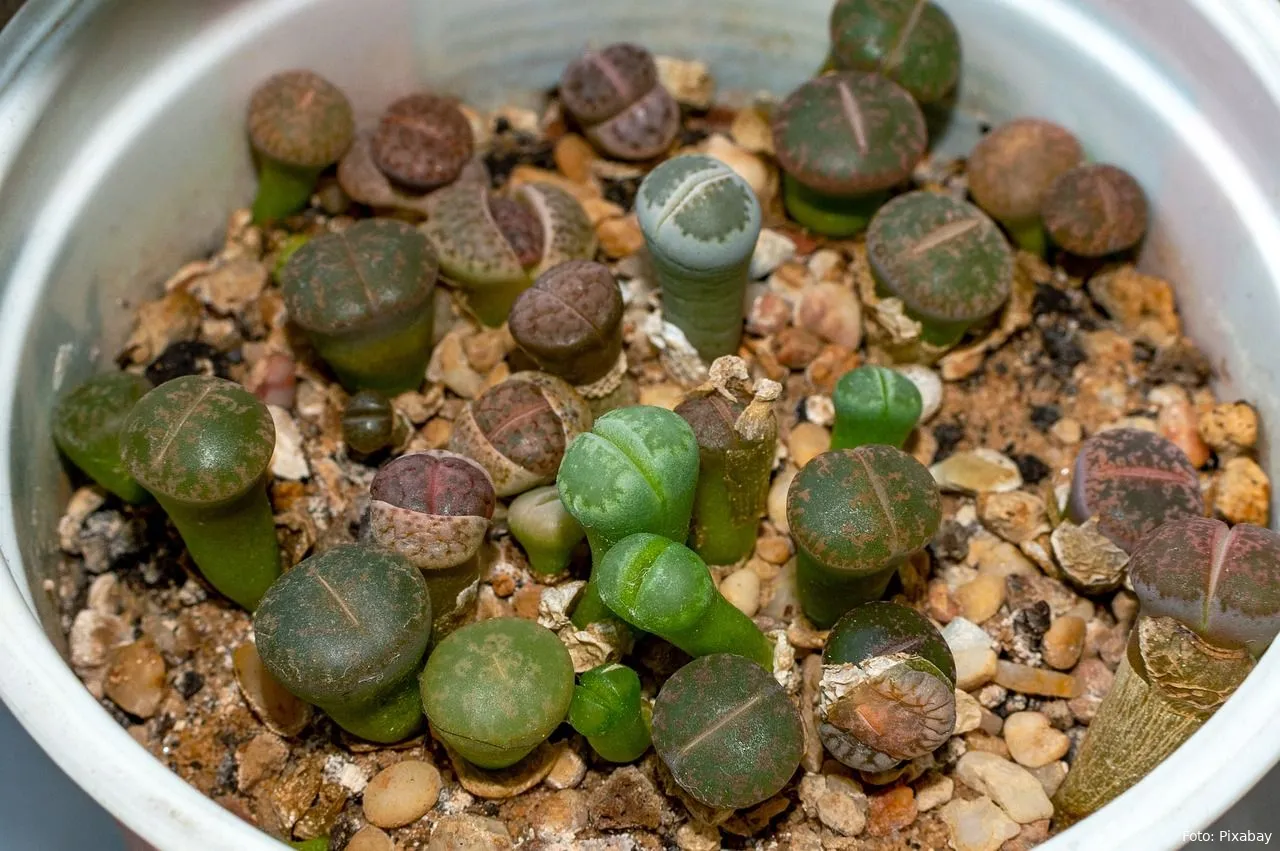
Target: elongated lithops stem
(912, 42)
(700, 220)
(1096, 210)
(663, 587)
(608, 709)
(635, 471)
(737, 432)
(615, 95)
(365, 298)
(496, 689)
(855, 515)
(888, 687)
(347, 631)
(87, 423)
(874, 405)
(202, 446)
(546, 530)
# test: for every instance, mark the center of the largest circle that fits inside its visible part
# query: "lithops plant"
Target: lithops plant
(887, 692)
(1012, 169)
(727, 731)
(545, 529)
(202, 446)
(662, 587)
(364, 182)
(945, 259)
(493, 246)
(1096, 210)
(495, 690)
(299, 124)
(843, 140)
(518, 430)
(615, 95)
(874, 405)
(610, 711)
(365, 298)
(87, 423)
(1209, 605)
(912, 42)
(370, 424)
(434, 509)
(855, 516)
(635, 471)
(423, 142)
(347, 630)
(737, 432)
(1132, 481)
(700, 221)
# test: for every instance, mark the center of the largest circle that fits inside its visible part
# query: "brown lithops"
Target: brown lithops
(423, 142)
(1096, 210)
(615, 95)
(570, 321)
(519, 429)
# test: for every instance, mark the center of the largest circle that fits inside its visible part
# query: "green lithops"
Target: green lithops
(87, 423)
(495, 690)
(912, 42)
(945, 259)
(874, 405)
(494, 246)
(347, 631)
(855, 515)
(727, 731)
(635, 471)
(370, 424)
(299, 124)
(844, 140)
(700, 220)
(365, 298)
(662, 587)
(545, 529)
(202, 445)
(610, 711)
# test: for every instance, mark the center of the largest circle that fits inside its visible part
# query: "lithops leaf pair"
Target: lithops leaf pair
(493, 246)
(364, 297)
(495, 690)
(347, 630)
(855, 515)
(843, 140)
(545, 529)
(370, 424)
(615, 95)
(434, 509)
(1096, 210)
(700, 220)
(423, 142)
(912, 42)
(202, 445)
(610, 711)
(888, 687)
(299, 124)
(518, 430)
(87, 423)
(874, 405)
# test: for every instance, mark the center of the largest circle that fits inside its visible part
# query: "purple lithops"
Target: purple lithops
(615, 95)
(1133, 481)
(570, 321)
(1096, 210)
(423, 142)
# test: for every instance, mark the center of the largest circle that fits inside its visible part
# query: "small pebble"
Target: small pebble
(1177, 422)
(620, 237)
(574, 156)
(1014, 789)
(742, 589)
(567, 771)
(1088, 559)
(1067, 431)
(1095, 680)
(1016, 516)
(820, 410)
(688, 80)
(93, 635)
(1025, 679)
(289, 460)
(1230, 427)
(262, 756)
(775, 549)
(776, 502)
(831, 312)
(977, 471)
(981, 598)
(768, 314)
(934, 792)
(796, 348)
(697, 836)
(930, 386)
(977, 825)
(773, 248)
(806, 442)
(1032, 741)
(759, 174)
(1243, 493)
(449, 365)
(752, 130)
(892, 810)
(968, 713)
(842, 806)
(975, 667)
(1063, 643)
(135, 678)
(370, 838)
(402, 793)
(662, 395)
(1051, 776)
(279, 710)
(468, 832)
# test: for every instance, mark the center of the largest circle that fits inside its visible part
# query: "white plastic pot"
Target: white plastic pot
(121, 151)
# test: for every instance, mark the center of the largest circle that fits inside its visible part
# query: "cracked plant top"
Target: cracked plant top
(198, 439)
(568, 321)
(946, 259)
(882, 628)
(300, 119)
(345, 624)
(1221, 582)
(849, 133)
(912, 42)
(858, 510)
(698, 213)
(370, 273)
(436, 482)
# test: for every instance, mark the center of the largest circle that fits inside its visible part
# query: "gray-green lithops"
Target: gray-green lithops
(87, 423)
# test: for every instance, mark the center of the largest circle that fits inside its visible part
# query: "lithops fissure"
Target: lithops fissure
(912, 42)
(1096, 210)
(87, 424)
(615, 95)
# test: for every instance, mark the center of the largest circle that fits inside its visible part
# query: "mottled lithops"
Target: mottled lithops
(434, 509)
(87, 423)
(545, 529)
(887, 692)
(855, 515)
(570, 322)
(518, 430)
(609, 710)
(365, 298)
(945, 259)
(727, 731)
(493, 246)
(202, 445)
(700, 220)
(912, 42)
(1096, 210)
(495, 690)
(299, 124)
(423, 141)
(347, 630)
(1132, 481)
(874, 405)
(1012, 169)
(843, 140)
(615, 95)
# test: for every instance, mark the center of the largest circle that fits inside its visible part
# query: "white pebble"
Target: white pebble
(929, 385)
(289, 461)
(742, 589)
(772, 250)
(1012, 787)
(1032, 742)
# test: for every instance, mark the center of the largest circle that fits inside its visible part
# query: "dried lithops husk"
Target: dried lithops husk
(281, 712)
(496, 784)
(1088, 558)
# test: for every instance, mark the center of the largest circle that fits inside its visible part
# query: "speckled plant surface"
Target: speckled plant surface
(615, 95)
(422, 142)
(87, 424)
(569, 321)
(1096, 210)
(912, 42)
